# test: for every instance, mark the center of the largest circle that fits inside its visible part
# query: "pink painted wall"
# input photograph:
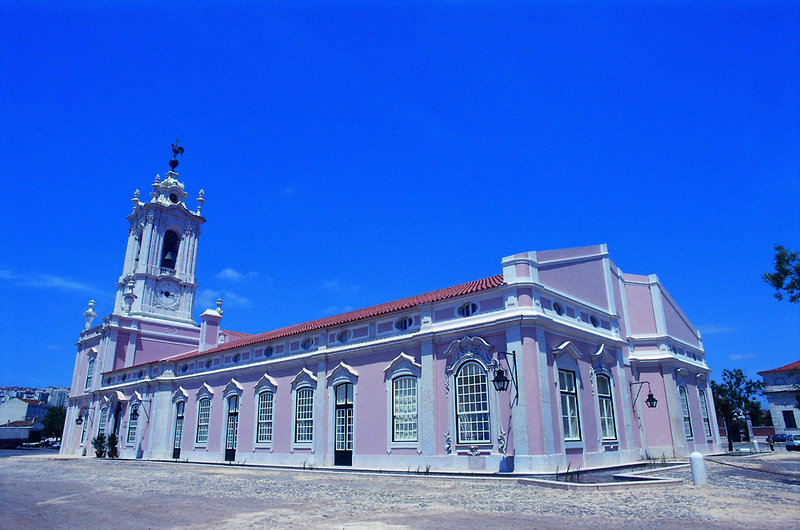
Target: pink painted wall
(677, 326)
(530, 361)
(119, 351)
(658, 430)
(640, 308)
(583, 280)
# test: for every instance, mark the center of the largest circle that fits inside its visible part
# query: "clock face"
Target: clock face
(167, 293)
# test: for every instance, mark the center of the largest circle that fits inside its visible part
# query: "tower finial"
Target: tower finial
(176, 150)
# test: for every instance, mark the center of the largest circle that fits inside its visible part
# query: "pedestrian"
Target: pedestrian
(771, 443)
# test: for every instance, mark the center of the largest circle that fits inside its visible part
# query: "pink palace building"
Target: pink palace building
(582, 349)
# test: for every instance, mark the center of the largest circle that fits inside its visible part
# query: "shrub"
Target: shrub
(99, 444)
(111, 444)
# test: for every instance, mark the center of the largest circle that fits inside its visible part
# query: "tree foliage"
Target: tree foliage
(734, 397)
(111, 446)
(786, 278)
(54, 421)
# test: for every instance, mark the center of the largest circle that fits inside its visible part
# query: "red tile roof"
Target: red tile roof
(352, 316)
(789, 367)
(20, 423)
(235, 334)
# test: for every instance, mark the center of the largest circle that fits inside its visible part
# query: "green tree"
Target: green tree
(787, 274)
(54, 422)
(734, 396)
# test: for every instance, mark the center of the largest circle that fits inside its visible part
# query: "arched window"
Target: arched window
(203, 412)
(404, 409)
(264, 417)
(304, 416)
(704, 412)
(472, 404)
(176, 440)
(101, 428)
(133, 422)
(89, 373)
(687, 419)
(606, 403)
(169, 253)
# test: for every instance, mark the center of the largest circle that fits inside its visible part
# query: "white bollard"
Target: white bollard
(698, 469)
(755, 444)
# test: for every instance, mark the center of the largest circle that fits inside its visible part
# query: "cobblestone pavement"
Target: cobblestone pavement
(51, 492)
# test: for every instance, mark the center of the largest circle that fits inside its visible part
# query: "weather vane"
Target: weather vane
(176, 150)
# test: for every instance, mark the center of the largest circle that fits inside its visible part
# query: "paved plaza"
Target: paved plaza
(46, 491)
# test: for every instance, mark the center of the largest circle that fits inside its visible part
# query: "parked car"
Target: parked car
(779, 437)
(793, 442)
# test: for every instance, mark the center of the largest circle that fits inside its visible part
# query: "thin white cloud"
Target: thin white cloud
(335, 310)
(741, 356)
(229, 274)
(716, 330)
(234, 275)
(45, 281)
(207, 299)
(337, 287)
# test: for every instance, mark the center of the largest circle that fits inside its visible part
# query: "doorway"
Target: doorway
(232, 428)
(343, 425)
(176, 442)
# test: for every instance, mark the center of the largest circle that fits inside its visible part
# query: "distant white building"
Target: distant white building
(57, 396)
(781, 388)
(17, 409)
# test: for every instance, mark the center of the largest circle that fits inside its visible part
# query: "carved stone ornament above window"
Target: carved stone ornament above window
(566, 347)
(466, 349)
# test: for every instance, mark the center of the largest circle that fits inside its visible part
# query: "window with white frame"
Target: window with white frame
(570, 417)
(472, 404)
(264, 427)
(304, 415)
(89, 373)
(203, 413)
(101, 423)
(704, 412)
(606, 402)
(687, 419)
(404, 409)
(133, 422)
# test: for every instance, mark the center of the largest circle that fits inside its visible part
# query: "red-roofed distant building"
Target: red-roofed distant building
(782, 388)
(18, 409)
(559, 360)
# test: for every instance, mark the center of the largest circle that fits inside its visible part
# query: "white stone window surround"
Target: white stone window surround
(304, 380)
(101, 423)
(686, 414)
(457, 310)
(205, 392)
(179, 396)
(266, 384)
(84, 413)
(342, 373)
(401, 366)
(91, 365)
(707, 430)
(133, 430)
(232, 388)
(600, 375)
(604, 360)
(458, 353)
(566, 357)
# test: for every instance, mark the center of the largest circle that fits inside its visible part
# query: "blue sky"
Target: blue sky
(353, 153)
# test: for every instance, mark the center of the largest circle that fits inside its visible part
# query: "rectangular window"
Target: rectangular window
(704, 412)
(84, 425)
(687, 419)
(570, 418)
(304, 416)
(133, 421)
(606, 408)
(788, 419)
(264, 429)
(101, 429)
(404, 409)
(203, 411)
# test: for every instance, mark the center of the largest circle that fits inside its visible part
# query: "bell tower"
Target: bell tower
(158, 277)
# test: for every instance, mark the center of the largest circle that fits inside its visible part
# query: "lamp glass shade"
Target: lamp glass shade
(651, 401)
(500, 380)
